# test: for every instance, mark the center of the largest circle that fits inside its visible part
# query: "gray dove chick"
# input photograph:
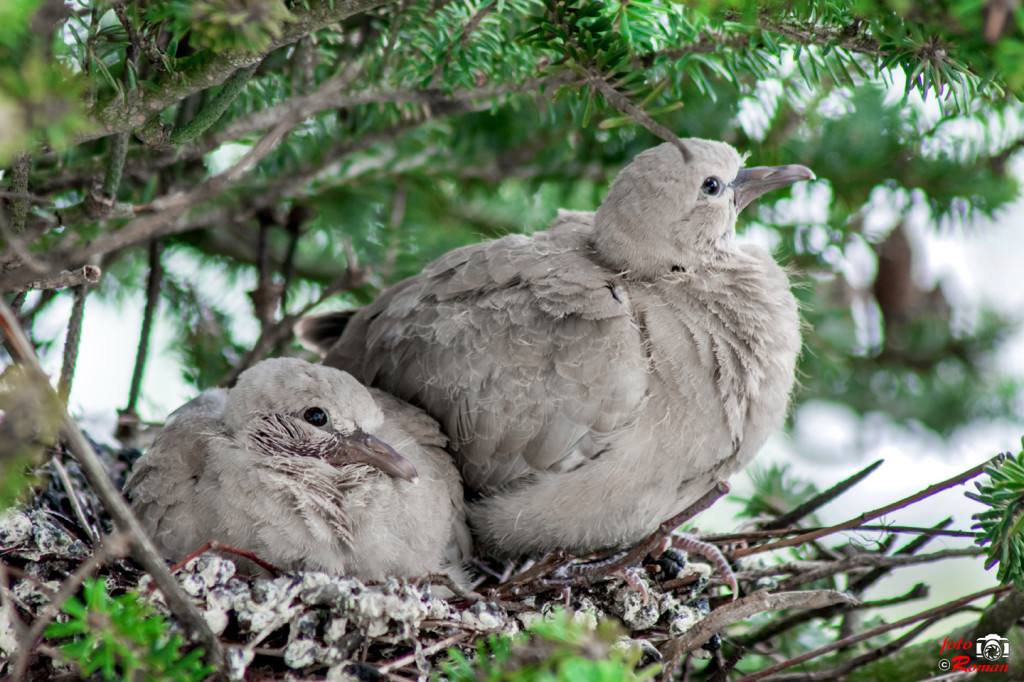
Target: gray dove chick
(306, 468)
(597, 378)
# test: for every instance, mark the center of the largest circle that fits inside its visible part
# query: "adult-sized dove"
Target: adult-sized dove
(307, 469)
(597, 378)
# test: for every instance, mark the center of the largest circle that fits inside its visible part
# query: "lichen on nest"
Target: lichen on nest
(320, 626)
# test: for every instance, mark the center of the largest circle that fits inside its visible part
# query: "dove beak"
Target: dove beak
(750, 183)
(360, 446)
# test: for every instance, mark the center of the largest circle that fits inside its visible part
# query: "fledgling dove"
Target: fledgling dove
(597, 378)
(306, 468)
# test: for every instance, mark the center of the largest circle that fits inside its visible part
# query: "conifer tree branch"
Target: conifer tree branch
(206, 69)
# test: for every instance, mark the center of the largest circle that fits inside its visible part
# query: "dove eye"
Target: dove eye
(316, 416)
(712, 186)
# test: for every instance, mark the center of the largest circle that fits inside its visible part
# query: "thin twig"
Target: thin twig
(350, 279)
(215, 546)
(71, 343)
(913, 547)
(65, 480)
(25, 196)
(432, 649)
(622, 103)
(168, 210)
(152, 299)
(264, 297)
(805, 571)
(112, 546)
(745, 607)
(462, 41)
(785, 623)
(734, 538)
(95, 473)
(840, 671)
(821, 499)
(140, 43)
(88, 274)
(545, 566)
(869, 516)
(7, 604)
(297, 216)
(446, 581)
(941, 611)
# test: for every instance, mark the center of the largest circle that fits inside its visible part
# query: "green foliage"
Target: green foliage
(39, 98)
(123, 638)
(30, 417)
(557, 648)
(1001, 526)
(428, 126)
(221, 24)
(776, 491)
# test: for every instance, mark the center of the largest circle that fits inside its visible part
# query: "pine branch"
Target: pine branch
(212, 112)
(207, 69)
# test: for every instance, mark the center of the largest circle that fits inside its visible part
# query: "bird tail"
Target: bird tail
(319, 332)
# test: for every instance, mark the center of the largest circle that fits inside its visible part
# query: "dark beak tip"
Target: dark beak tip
(792, 174)
(363, 447)
(803, 173)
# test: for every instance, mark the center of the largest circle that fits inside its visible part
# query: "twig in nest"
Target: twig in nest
(734, 538)
(546, 566)
(7, 605)
(88, 274)
(746, 607)
(782, 624)
(76, 505)
(868, 516)
(445, 580)
(112, 547)
(428, 651)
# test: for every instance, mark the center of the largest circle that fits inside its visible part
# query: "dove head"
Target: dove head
(287, 407)
(669, 213)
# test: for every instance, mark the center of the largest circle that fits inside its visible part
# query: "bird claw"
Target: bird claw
(693, 545)
(633, 579)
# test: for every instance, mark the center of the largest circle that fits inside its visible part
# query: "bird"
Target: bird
(304, 467)
(599, 377)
